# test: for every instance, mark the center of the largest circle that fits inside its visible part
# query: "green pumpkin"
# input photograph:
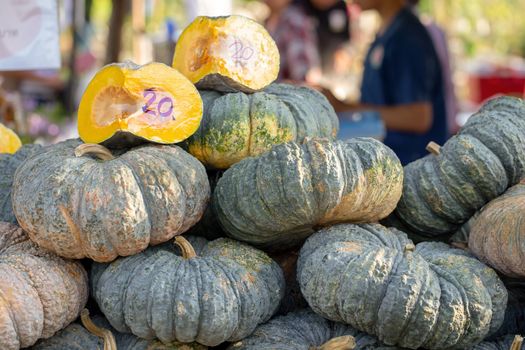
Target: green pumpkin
(240, 125)
(219, 295)
(443, 190)
(304, 330)
(98, 335)
(497, 236)
(376, 280)
(277, 199)
(8, 165)
(79, 200)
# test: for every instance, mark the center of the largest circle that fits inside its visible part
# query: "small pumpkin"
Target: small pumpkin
(231, 53)
(219, 295)
(125, 102)
(97, 334)
(302, 330)
(40, 293)
(443, 190)
(8, 165)
(9, 141)
(277, 199)
(79, 200)
(376, 280)
(497, 236)
(239, 125)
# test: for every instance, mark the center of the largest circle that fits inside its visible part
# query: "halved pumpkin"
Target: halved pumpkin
(152, 102)
(229, 54)
(9, 141)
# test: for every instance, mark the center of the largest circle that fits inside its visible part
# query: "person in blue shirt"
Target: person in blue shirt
(402, 81)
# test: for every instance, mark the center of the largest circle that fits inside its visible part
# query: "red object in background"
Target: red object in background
(483, 87)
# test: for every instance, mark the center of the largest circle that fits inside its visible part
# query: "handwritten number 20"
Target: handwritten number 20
(151, 96)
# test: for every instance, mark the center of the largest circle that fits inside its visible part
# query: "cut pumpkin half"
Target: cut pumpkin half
(229, 54)
(152, 102)
(9, 141)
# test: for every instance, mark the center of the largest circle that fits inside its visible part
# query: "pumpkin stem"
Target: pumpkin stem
(346, 342)
(434, 148)
(186, 248)
(99, 151)
(409, 247)
(105, 334)
(516, 344)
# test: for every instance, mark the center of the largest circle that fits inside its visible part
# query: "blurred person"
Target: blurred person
(294, 34)
(332, 23)
(402, 81)
(439, 39)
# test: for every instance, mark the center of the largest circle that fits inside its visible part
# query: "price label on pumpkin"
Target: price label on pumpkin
(241, 51)
(158, 106)
(29, 35)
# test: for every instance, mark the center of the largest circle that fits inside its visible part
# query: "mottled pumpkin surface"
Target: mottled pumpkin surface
(373, 278)
(8, 165)
(85, 207)
(239, 125)
(221, 294)
(76, 337)
(275, 200)
(497, 236)
(443, 191)
(40, 293)
(227, 53)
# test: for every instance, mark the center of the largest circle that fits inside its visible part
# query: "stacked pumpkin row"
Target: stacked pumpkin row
(366, 285)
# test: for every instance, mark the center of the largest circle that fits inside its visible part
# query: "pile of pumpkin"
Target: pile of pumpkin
(288, 226)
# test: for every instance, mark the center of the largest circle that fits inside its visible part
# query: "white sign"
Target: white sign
(29, 35)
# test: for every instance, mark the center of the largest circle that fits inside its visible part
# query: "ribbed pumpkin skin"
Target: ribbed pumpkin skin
(497, 236)
(239, 125)
(487, 156)
(40, 293)
(76, 337)
(369, 277)
(275, 201)
(302, 330)
(8, 165)
(82, 207)
(221, 295)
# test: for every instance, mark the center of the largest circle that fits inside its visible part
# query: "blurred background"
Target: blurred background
(485, 40)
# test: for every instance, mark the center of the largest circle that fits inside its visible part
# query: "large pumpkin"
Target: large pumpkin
(238, 125)
(79, 200)
(8, 165)
(125, 102)
(9, 141)
(229, 53)
(221, 294)
(98, 335)
(376, 280)
(40, 293)
(276, 200)
(443, 190)
(497, 236)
